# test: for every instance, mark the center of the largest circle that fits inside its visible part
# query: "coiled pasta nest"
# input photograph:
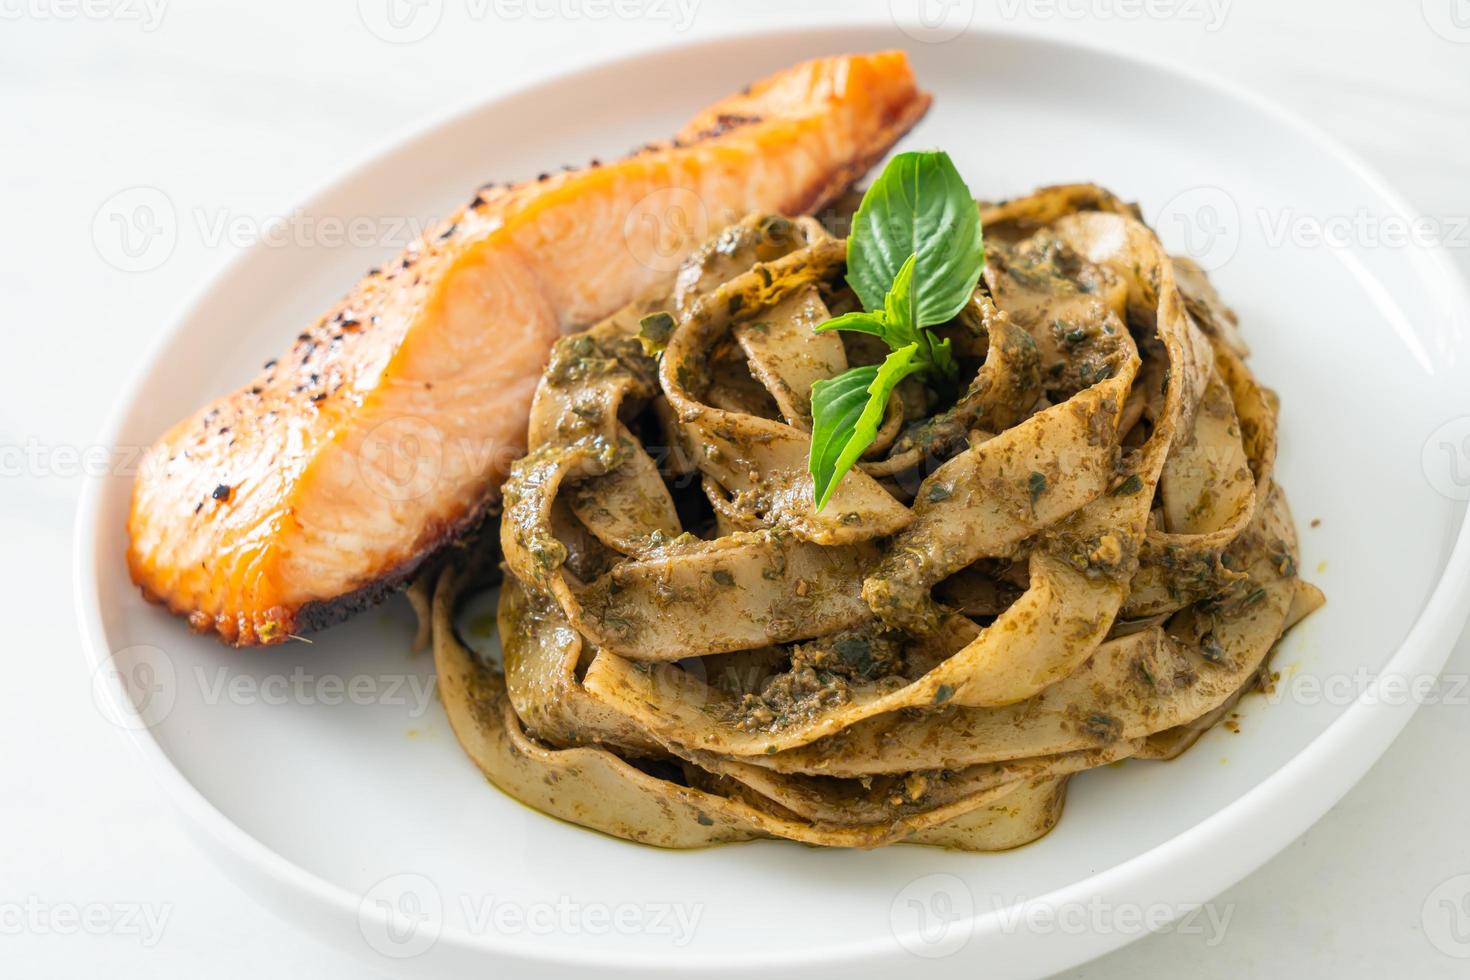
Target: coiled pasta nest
(1078, 558)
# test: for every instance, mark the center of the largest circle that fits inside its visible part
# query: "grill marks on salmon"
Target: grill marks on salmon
(384, 432)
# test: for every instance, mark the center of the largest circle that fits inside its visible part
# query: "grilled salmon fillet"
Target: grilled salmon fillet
(386, 429)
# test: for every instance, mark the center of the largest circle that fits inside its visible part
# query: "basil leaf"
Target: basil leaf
(837, 404)
(941, 353)
(846, 413)
(872, 323)
(894, 323)
(913, 258)
(898, 306)
(918, 206)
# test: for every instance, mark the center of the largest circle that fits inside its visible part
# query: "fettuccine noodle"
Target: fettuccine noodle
(1082, 558)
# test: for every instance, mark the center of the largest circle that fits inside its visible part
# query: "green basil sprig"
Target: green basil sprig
(913, 258)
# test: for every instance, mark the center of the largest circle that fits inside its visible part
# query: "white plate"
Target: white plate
(337, 812)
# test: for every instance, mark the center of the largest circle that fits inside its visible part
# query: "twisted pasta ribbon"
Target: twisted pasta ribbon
(1081, 558)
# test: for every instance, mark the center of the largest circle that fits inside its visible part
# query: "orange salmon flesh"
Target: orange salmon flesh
(385, 430)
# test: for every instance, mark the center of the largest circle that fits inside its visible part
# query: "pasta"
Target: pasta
(1081, 557)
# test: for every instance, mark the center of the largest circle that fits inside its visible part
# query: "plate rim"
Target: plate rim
(1370, 720)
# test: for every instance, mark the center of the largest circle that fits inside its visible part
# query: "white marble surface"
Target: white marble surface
(241, 108)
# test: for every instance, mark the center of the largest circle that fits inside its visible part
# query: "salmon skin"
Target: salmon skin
(385, 431)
